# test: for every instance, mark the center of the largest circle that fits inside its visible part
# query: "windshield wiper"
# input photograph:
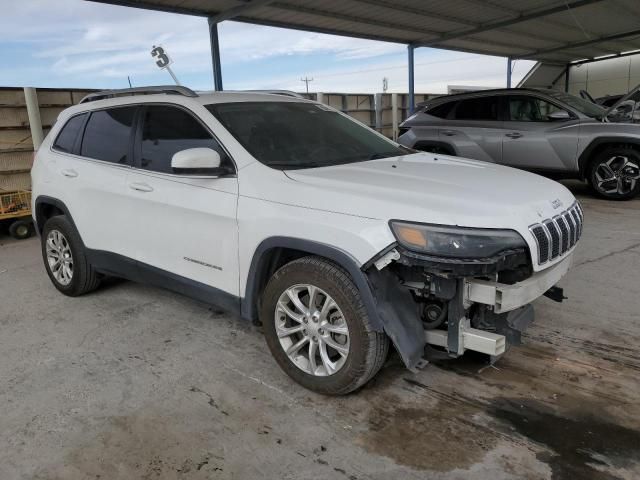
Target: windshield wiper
(377, 156)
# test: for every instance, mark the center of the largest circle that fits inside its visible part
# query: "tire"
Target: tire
(614, 173)
(20, 229)
(83, 278)
(366, 348)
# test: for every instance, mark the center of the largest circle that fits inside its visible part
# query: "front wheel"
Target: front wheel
(317, 327)
(615, 173)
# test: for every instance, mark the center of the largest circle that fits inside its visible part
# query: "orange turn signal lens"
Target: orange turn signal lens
(411, 236)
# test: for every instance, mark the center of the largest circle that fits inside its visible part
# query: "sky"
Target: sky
(81, 44)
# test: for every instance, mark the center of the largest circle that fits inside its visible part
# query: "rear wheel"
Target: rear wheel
(65, 258)
(20, 229)
(615, 173)
(317, 327)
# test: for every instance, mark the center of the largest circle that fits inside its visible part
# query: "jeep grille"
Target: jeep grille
(556, 236)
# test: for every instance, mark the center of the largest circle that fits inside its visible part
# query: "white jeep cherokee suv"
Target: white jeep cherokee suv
(289, 213)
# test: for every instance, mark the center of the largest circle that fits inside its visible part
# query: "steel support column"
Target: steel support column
(509, 71)
(412, 85)
(215, 55)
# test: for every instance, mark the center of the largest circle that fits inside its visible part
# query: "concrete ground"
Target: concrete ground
(135, 382)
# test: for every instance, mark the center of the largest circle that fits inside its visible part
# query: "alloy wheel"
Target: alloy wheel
(617, 175)
(312, 330)
(59, 257)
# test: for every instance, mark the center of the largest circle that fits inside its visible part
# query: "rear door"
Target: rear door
(185, 224)
(534, 140)
(475, 128)
(93, 168)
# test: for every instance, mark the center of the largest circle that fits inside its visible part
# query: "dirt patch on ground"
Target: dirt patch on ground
(440, 437)
(141, 447)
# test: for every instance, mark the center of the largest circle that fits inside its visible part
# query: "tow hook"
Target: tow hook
(556, 294)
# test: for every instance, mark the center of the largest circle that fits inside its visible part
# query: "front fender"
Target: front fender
(260, 258)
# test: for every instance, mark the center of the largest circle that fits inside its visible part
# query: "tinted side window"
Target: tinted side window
(106, 136)
(66, 140)
(441, 111)
(168, 130)
(483, 108)
(530, 109)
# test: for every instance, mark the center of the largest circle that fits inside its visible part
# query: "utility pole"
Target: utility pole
(306, 80)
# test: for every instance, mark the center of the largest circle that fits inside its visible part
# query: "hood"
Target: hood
(625, 109)
(622, 99)
(436, 189)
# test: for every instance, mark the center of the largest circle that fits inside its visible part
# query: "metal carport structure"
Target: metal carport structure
(549, 31)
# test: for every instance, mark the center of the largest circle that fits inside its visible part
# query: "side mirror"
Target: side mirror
(559, 115)
(203, 161)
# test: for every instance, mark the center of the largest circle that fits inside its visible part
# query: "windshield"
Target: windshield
(586, 107)
(293, 135)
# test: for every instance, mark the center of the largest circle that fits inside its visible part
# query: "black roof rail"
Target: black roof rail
(168, 89)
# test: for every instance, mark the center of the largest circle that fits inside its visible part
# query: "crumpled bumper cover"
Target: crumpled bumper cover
(505, 298)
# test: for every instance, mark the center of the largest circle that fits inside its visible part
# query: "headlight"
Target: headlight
(455, 242)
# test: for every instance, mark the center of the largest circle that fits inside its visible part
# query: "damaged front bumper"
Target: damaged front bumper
(504, 297)
(480, 310)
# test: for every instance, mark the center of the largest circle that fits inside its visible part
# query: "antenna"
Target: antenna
(306, 80)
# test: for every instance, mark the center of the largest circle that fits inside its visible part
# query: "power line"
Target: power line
(394, 67)
(306, 80)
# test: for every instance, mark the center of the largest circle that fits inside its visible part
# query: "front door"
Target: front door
(186, 224)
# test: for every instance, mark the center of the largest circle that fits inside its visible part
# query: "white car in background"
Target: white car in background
(288, 212)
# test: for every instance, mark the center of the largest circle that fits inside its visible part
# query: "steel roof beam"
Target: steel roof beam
(350, 18)
(159, 8)
(522, 17)
(417, 11)
(585, 43)
(248, 6)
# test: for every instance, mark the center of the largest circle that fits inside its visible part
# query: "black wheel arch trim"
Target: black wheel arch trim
(38, 219)
(585, 156)
(260, 262)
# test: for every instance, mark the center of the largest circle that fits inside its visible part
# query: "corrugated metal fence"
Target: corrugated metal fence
(16, 146)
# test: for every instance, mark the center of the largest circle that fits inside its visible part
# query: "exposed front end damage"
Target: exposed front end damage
(439, 308)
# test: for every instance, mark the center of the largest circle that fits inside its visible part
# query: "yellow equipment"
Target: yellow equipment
(15, 208)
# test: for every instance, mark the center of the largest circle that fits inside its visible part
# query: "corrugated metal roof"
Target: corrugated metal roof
(553, 31)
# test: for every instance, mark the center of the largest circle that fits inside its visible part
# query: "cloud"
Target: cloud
(81, 43)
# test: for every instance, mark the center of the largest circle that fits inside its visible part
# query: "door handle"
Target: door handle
(513, 135)
(141, 187)
(448, 133)
(69, 172)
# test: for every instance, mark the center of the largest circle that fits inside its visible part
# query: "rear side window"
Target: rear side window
(66, 140)
(106, 136)
(441, 111)
(168, 130)
(483, 108)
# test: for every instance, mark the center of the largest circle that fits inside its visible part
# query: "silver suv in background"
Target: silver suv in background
(541, 130)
